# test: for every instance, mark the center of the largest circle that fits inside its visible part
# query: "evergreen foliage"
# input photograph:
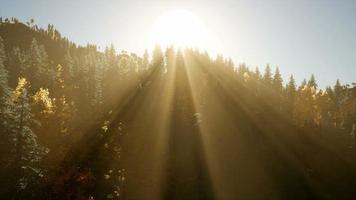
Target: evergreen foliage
(85, 105)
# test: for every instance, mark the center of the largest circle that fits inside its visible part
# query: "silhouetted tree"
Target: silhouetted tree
(291, 90)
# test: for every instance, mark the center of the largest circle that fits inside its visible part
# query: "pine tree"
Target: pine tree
(255, 82)
(157, 60)
(338, 100)
(277, 82)
(5, 91)
(257, 74)
(145, 62)
(291, 88)
(71, 72)
(111, 57)
(230, 64)
(338, 90)
(28, 152)
(6, 113)
(43, 63)
(38, 69)
(170, 58)
(324, 106)
(277, 88)
(17, 64)
(266, 88)
(64, 109)
(267, 77)
(242, 69)
(98, 95)
(303, 84)
(59, 85)
(312, 82)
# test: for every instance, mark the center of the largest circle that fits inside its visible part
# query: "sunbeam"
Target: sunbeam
(153, 100)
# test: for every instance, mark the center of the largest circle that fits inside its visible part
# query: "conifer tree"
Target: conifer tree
(5, 90)
(267, 77)
(71, 72)
(38, 69)
(255, 81)
(157, 57)
(145, 62)
(242, 69)
(303, 84)
(267, 90)
(312, 82)
(98, 95)
(324, 107)
(64, 109)
(338, 100)
(6, 112)
(170, 58)
(257, 73)
(111, 57)
(28, 152)
(338, 90)
(277, 82)
(277, 87)
(17, 64)
(291, 90)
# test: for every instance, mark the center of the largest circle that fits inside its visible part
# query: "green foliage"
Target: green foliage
(277, 82)
(312, 82)
(68, 91)
(267, 77)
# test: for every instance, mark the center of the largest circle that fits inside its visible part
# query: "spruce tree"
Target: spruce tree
(157, 57)
(17, 64)
(338, 100)
(312, 82)
(303, 84)
(277, 82)
(28, 152)
(291, 90)
(145, 62)
(257, 74)
(98, 77)
(6, 113)
(267, 77)
(63, 107)
(38, 70)
(70, 72)
(338, 89)
(5, 91)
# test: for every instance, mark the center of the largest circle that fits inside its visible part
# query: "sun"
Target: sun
(180, 28)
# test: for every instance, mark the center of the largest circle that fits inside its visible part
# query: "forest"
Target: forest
(80, 122)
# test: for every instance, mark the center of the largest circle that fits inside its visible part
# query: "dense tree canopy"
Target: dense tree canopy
(78, 123)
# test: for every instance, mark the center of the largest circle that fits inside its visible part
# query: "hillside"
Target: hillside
(171, 124)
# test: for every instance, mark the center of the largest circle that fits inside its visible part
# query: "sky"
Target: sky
(300, 37)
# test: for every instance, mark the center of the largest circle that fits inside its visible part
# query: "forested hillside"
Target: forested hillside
(79, 123)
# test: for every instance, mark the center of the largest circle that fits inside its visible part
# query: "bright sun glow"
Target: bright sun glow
(181, 28)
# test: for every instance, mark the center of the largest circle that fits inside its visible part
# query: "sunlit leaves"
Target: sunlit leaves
(105, 126)
(42, 97)
(20, 85)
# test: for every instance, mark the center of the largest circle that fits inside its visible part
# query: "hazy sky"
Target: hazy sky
(301, 37)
